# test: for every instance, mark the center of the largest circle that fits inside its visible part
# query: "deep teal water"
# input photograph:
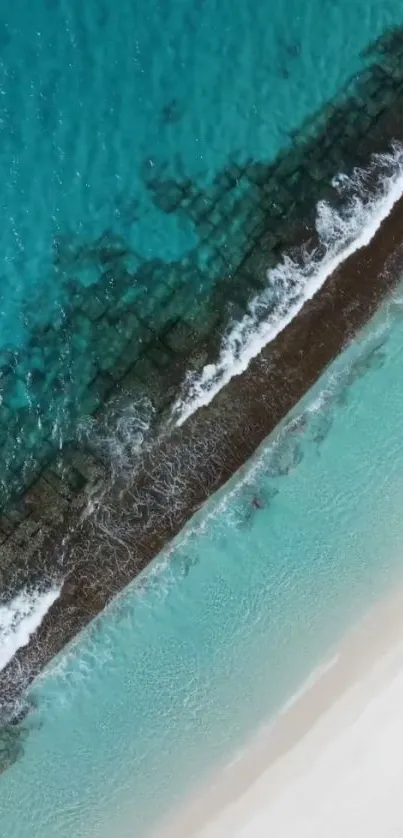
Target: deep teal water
(94, 97)
(217, 634)
(92, 92)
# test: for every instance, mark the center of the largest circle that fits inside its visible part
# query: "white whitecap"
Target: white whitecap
(20, 618)
(293, 282)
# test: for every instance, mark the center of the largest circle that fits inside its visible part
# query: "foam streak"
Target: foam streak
(341, 233)
(20, 618)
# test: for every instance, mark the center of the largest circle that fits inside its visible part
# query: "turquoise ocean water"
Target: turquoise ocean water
(216, 635)
(93, 97)
(219, 632)
(90, 92)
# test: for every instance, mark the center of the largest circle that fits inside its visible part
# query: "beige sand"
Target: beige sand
(267, 788)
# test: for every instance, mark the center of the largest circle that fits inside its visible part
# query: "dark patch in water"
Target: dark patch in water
(284, 459)
(275, 197)
(374, 359)
(188, 562)
(5, 37)
(290, 52)
(10, 746)
(14, 731)
(171, 112)
(322, 428)
(259, 500)
(293, 50)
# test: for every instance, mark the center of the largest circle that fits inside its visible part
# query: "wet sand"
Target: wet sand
(273, 785)
(105, 551)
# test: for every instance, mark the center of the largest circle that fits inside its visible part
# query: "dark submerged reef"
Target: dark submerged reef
(131, 334)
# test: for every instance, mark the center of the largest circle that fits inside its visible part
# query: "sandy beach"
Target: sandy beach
(331, 763)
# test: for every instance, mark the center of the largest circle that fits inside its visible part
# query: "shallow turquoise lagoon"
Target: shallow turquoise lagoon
(91, 92)
(218, 633)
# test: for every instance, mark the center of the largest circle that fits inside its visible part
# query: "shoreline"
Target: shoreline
(190, 463)
(277, 758)
(73, 528)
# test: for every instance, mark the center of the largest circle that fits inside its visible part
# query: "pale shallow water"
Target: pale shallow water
(342, 231)
(221, 631)
(343, 778)
(217, 635)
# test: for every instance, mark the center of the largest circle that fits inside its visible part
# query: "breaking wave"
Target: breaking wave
(367, 198)
(20, 618)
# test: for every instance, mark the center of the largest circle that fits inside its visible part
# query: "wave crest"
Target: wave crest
(366, 199)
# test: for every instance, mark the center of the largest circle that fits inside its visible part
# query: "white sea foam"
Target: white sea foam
(121, 437)
(20, 618)
(291, 283)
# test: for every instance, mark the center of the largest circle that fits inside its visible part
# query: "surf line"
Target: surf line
(340, 233)
(192, 461)
(20, 618)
